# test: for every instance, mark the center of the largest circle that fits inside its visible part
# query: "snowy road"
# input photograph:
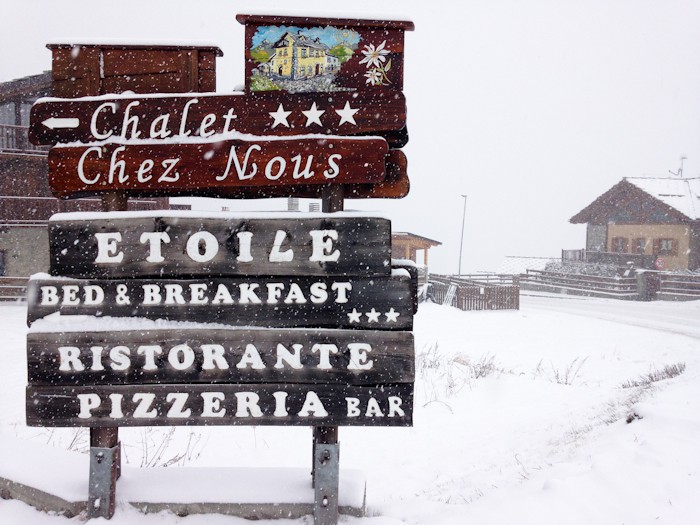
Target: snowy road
(674, 317)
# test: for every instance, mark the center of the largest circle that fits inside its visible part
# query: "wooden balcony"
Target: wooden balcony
(13, 139)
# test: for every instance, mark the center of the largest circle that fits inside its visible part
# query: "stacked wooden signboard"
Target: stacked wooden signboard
(285, 319)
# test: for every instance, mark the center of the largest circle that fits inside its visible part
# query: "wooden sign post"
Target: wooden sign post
(311, 319)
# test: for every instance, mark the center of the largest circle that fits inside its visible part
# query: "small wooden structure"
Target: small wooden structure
(406, 245)
(653, 216)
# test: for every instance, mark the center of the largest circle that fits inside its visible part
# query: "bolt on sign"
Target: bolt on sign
(184, 318)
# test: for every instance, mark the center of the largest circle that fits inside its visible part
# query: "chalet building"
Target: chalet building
(655, 217)
(298, 57)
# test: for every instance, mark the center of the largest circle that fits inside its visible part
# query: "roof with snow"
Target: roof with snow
(681, 194)
(640, 200)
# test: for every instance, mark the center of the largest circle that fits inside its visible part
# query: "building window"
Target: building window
(639, 245)
(667, 247)
(618, 245)
(303, 52)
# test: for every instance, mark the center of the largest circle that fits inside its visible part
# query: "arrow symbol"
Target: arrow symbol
(59, 122)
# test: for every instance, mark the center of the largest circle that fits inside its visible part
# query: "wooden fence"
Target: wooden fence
(13, 288)
(476, 292)
(574, 284)
(678, 287)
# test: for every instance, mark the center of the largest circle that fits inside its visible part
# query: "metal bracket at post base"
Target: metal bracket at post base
(326, 474)
(103, 481)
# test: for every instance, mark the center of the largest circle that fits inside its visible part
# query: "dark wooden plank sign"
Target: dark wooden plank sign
(156, 168)
(281, 404)
(307, 54)
(163, 117)
(382, 303)
(206, 355)
(171, 244)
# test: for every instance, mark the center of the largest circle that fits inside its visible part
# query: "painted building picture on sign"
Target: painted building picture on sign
(298, 60)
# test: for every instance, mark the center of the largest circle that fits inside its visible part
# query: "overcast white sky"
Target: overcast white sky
(532, 109)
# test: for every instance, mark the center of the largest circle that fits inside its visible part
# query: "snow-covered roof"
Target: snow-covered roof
(681, 194)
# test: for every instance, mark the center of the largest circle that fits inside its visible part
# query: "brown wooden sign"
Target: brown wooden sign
(205, 355)
(306, 54)
(395, 185)
(157, 169)
(169, 244)
(382, 303)
(280, 404)
(164, 117)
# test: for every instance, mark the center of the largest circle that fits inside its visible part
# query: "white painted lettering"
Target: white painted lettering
(247, 404)
(245, 240)
(280, 404)
(275, 254)
(70, 359)
(292, 359)
(251, 357)
(81, 164)
(93, 121)
(107, 248)
(335, 169)
(353, 404)
(154, 240)
(213, 357)
(197, 293)
(202, 241)
(322, 244)
(119, 355)
(88, 403)
(177, 409)
(324, 350)
(149, 352)
(358, 356)
(151, 294)
(181, 357)
(49, 295)
(212, 404)
(173, 294)
(143, 408)
(312, 406)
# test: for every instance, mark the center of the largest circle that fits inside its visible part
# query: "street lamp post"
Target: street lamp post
(461, 239)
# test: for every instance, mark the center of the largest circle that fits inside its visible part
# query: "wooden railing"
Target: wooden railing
(678, 287)
(15, 139)
(13, 288)
(574, 284)
(469, 294)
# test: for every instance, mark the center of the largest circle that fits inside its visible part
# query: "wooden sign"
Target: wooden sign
(84, 69)
(150, 117)
(303, 54)
(205, 355)
(395, 185)
(281, 404)
(156, 168)
(381, 303)
(167, 244)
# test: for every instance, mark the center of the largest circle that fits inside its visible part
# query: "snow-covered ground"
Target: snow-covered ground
(520, 417)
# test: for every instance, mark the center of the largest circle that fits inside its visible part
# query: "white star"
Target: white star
(354, 316)
(313, 115)
(280, 116)
(373, 316)
(391, 315)
(347, 114)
